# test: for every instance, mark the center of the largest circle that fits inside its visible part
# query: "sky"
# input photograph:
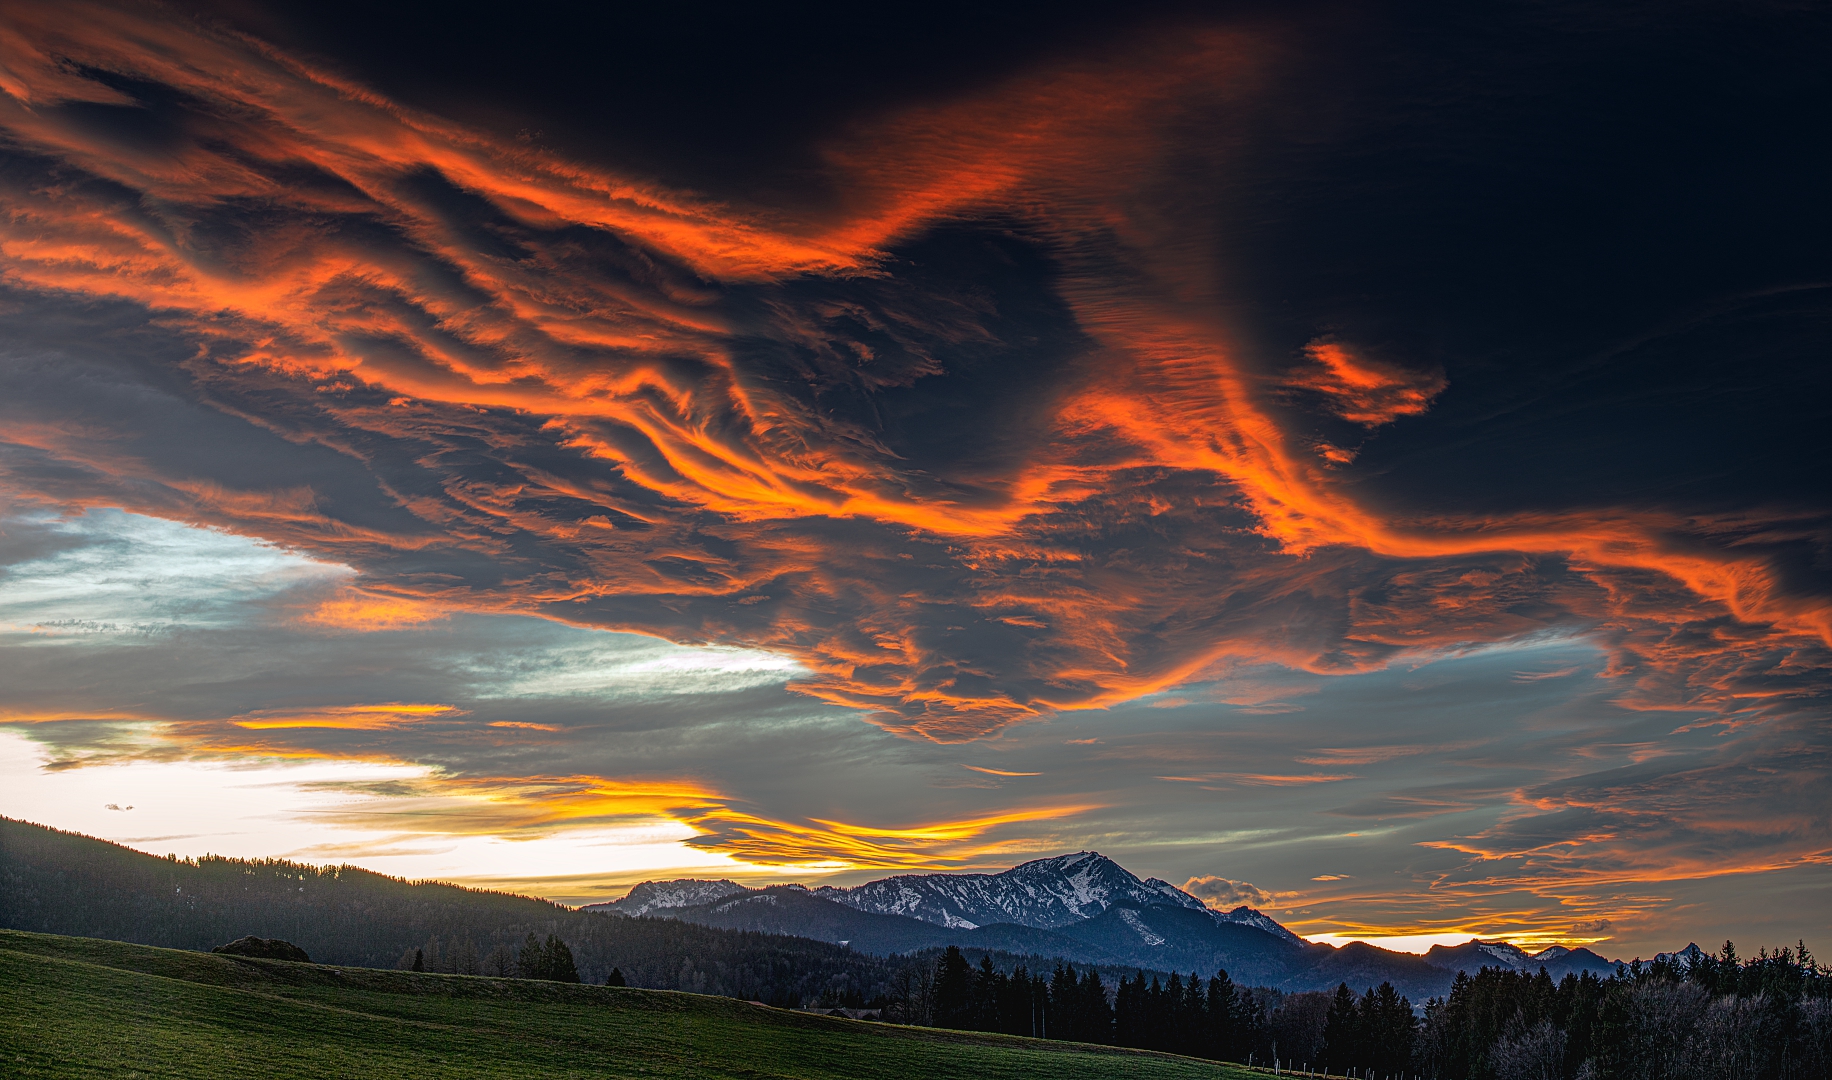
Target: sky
(1362, 461)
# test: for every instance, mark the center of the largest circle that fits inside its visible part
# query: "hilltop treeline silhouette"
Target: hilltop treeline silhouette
(1765, 1018)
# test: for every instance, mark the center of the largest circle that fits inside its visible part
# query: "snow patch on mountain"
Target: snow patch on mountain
(1558, 960)
(1131, 918)
(653, 896)
(1176, 896)
(1045, 894)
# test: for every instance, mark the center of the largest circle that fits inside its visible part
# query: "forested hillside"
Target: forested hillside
(63, 883)
(1768, 1017)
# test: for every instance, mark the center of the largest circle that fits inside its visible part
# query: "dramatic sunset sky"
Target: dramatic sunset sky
(1368, 461)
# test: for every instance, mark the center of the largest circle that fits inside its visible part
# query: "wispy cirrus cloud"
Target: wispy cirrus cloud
(467, 746)
(1262, 779)
(590, 385)
(1362, 390)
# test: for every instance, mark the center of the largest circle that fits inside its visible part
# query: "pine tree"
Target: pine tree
(1129, 1012)
(615, 978)
(531, 961)
(1193, 1025)
(1094, 1017)
(1156, 1017)
(1342, 1032)
(1387, 1021)
(419, 960)
(1065, 1004)
(1223, 1007)
(557, 960)
(953, 990)
(1013, 1005)
(984, 1010)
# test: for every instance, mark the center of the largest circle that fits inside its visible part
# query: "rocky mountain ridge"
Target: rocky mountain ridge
(1044, 894)
(1084, 908)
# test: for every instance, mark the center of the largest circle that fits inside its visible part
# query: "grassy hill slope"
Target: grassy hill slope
(81, 1007)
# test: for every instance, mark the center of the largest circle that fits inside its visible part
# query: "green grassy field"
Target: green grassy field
(81, 1007)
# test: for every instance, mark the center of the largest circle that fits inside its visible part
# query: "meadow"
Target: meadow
(83, 1007)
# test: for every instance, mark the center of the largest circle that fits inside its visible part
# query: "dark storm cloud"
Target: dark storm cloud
(967, 476)
(1064, 376)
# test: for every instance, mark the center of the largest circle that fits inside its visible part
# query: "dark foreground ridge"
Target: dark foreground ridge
(83, 1007)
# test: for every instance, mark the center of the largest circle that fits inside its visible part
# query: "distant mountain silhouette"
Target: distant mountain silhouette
(1559, 961)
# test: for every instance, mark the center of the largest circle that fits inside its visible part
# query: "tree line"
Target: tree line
(1764, 1018)
(1768, 1017)
(551, 959)
(1212, 1018)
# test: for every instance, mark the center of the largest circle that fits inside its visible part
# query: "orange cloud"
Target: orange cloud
(347, 717)
(442, 803)
(522, 806)
(355, 609)
(1363, 391)
(936, 845)
(1155, 517)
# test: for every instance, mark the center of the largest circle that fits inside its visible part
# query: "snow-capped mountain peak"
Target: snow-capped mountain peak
(1510, 955)
(654, 896)
(1475, 954)
(1176, 896)
(1045, 893)
(1246, 916)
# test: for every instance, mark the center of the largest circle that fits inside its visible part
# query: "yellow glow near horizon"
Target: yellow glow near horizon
(307, 810)
(575, 839)
(1406, 943)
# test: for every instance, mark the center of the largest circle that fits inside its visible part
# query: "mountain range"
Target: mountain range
(1083, 908)
(782, 943)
